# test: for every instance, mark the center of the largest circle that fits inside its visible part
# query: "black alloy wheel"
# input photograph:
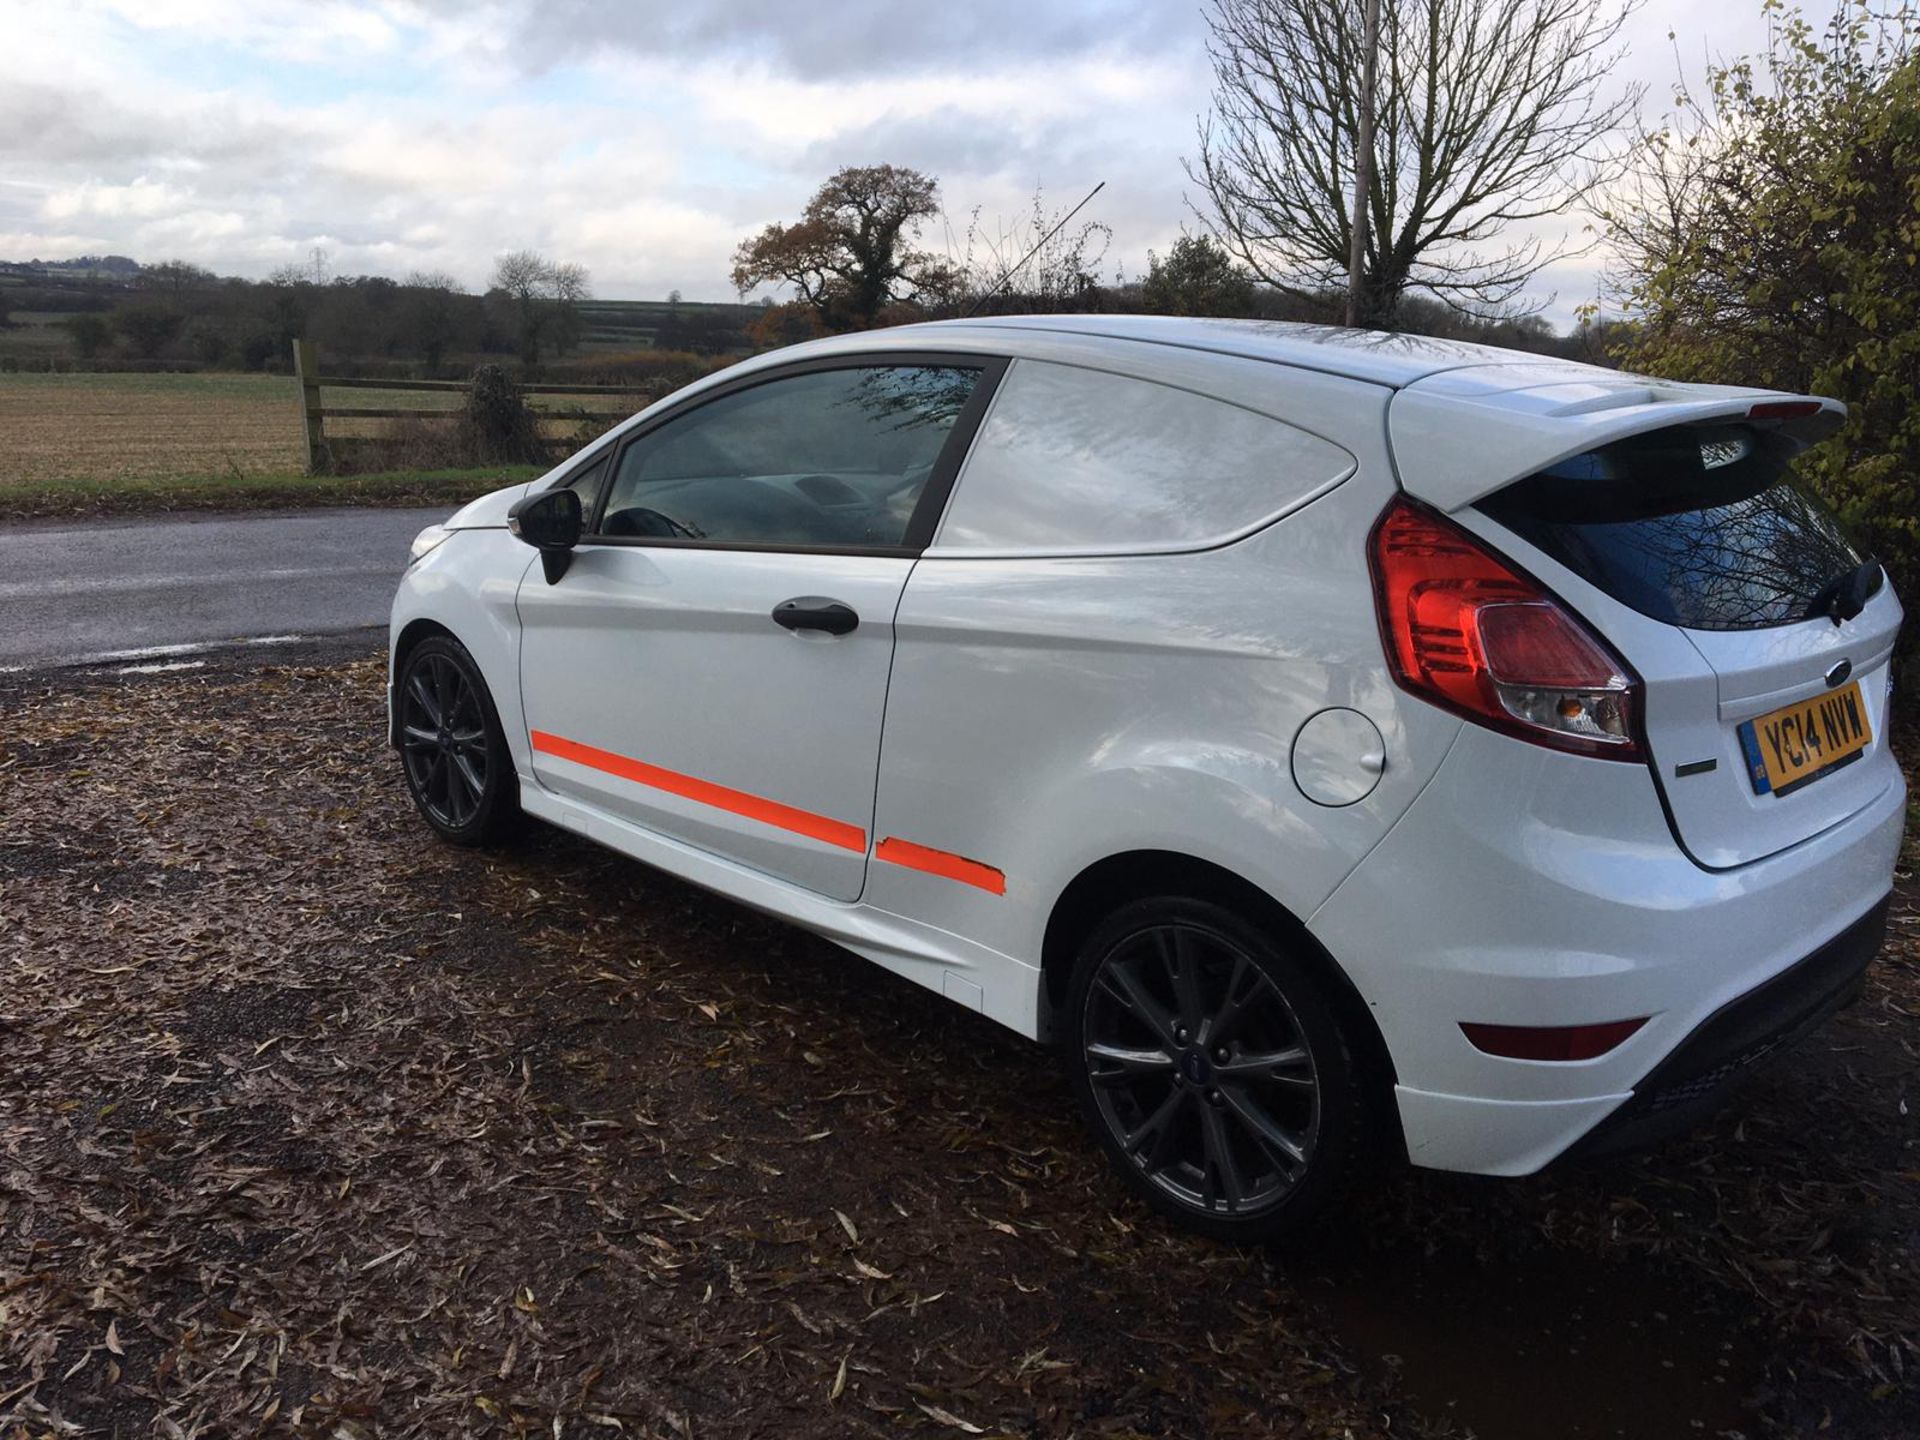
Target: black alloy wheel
(1213, 1069)
(456, 761)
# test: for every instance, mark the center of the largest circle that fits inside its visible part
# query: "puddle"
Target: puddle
(1551, 1347)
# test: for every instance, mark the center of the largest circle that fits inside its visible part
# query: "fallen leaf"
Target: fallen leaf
(947, 1417)
(392, 1254)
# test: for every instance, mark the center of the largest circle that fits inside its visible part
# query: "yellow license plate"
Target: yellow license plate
(1797, 744)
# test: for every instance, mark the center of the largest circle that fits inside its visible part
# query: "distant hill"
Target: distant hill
(180, 314)
(120, 267)
(609, 324)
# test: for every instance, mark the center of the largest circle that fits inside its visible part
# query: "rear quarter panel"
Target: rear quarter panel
(1045, 714)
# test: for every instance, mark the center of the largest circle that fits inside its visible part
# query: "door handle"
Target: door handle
(816, 612)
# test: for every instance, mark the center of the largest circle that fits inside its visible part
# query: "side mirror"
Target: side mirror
(550, 521)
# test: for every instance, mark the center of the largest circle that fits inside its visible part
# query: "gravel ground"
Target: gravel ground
(310, 1125)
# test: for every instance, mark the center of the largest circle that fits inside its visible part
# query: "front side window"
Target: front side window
(832, 458)
(1075, 459)
(586, 484)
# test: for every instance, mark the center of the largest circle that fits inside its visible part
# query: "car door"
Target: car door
(713, 664)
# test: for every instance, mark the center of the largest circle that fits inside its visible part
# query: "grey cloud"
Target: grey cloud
(952, 141)
(1140, 164)
(842, 38)
(47, 126)
(283, 173)
(50, 124)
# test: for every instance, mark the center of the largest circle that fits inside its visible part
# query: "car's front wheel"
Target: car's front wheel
(452, 749)
(1213, 1068)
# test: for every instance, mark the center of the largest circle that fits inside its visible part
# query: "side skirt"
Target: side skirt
(970, 974)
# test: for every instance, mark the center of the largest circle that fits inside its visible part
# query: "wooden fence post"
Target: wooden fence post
(306, 369)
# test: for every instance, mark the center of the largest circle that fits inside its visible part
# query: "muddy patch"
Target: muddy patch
(1546, 1345)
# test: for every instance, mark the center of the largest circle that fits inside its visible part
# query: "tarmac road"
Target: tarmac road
(143, 589)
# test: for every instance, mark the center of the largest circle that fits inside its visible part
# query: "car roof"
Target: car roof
(1464, 419)
(1377, 356)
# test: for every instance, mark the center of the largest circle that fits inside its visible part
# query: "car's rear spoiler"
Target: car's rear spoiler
(1462, 434)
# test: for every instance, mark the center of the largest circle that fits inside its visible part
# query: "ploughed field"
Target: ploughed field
(164, 427)
(312, 1125)
(114, 427)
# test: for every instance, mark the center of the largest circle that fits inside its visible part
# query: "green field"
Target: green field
(622, 325)
(36, 335)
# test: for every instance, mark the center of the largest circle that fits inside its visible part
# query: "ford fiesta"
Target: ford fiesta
(1337, 744)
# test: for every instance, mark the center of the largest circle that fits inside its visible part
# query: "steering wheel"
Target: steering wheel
(639, 520)
(822, 490)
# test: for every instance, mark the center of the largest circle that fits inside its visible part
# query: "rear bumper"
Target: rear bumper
(1683, 1088)
(1525, 887)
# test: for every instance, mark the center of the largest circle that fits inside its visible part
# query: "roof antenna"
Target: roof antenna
(1001, 283)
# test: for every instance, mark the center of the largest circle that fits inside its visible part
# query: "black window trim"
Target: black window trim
(574, 472)
(927, 511)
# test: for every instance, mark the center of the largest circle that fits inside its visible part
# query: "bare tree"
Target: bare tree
(569, 285)
(1489, 116)
(1037, 264)
(544, 297)
(429, 312)
(175, 277)
(1362, 227)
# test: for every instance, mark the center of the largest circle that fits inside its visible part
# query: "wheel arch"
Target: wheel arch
(1106, 884)
(410, 635)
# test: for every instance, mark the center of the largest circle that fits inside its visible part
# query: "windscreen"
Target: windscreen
(1702, 526)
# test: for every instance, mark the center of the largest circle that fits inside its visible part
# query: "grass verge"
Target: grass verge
(142, 495)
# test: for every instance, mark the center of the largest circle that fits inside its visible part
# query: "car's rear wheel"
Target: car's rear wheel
(452, 749)
(1214, 1068)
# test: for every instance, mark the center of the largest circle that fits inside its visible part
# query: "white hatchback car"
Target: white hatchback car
(1337, 743)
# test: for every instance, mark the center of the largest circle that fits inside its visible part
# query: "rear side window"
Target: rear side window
(1702, 526)
(1073, 459)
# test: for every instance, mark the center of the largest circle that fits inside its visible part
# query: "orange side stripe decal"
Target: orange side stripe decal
(737, 802)
(941, 862)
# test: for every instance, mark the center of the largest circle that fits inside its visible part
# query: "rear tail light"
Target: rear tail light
(1467, 631)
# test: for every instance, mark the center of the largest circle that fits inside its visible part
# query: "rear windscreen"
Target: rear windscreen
(1698, 526)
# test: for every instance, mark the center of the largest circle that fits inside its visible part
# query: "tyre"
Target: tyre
(1214, 1069)
(452, 749)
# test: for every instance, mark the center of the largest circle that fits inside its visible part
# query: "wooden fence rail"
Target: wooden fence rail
(315, 412)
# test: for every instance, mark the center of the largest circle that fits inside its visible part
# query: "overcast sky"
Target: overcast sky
(642, 140)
